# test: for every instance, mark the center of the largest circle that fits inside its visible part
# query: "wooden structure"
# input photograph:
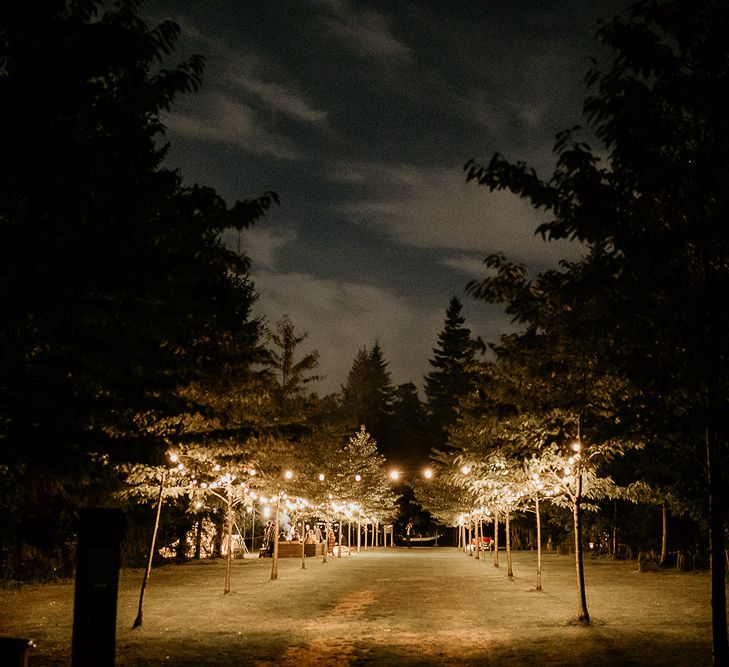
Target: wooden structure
(293, 549)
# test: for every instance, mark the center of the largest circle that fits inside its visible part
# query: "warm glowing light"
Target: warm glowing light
(321, 477)
(358, 478)
(465, 469)
(288, 474)
(251, 471)
(216, 467)
(266, 512)
(173, 457)
(576, 447)
(394, 475)
(428, 473)
(180, 467)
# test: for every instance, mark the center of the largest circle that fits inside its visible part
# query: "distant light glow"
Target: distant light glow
(576, 447)
(465, 469)
(428, 473)
(173, 457)
(394, 475)
(321, 477)
(288, 474)
(358, 478)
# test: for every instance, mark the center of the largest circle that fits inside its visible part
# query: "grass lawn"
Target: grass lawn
(386, 607)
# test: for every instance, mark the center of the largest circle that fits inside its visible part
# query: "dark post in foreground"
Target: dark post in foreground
(97, 580)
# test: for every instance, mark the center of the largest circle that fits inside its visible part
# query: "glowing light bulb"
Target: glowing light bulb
(173, 457)
(358, 478)
(288, 474)
(321, 477)
(465, 469)
(428, 473)
(394, 475)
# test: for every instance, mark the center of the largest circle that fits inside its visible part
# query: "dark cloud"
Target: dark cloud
(361, 115)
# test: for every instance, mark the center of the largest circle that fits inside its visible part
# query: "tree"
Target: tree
(115, 284)
(452, 375)
(293, 375)
(367, 397)
(657, 206)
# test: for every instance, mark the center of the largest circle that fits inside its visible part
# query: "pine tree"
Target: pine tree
(367, 398)
(452, 377)
(293, 376)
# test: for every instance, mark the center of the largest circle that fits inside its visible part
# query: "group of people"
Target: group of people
(313, 536)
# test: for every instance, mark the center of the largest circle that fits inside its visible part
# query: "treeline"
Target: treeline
(615, 388)
(126, 326)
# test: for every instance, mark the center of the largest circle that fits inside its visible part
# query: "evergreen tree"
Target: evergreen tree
(412, 437)
(451, 378)
(292, 375)
(367, 398)
(116, 288)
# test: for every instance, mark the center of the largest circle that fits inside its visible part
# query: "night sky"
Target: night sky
(360, 115)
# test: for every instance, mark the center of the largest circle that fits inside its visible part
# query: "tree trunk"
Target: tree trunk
(582, 614)
(539, 545)
(614, 547)
(339, 550)
(496, 539)
(303, 547)
(276, 528)
(509, 569)
(147, 572)
(198, 537)
(664, 534)
(720, 640)
(476, 538)
(229, 558)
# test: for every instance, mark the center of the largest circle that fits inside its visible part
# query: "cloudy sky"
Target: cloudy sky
(361, 115)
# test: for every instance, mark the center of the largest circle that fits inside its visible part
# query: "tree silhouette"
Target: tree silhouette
(452, 375)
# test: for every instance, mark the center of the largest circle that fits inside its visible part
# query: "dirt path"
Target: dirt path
(387, 607)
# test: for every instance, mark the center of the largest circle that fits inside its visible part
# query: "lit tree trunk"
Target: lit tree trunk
(160, 499)
(509, 570)
(349, 536)
(198, 537)
(470, 552)
(253, 530)
(614, 553)
(582, 615)
(229, 559)
(276, 527)
(359, 536)
(539, 545)
(303, 546)
(477, 527)
(339, 550)
(664, 534)
(496, 539)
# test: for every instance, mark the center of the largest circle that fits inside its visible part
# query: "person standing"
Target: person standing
(408, 531)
